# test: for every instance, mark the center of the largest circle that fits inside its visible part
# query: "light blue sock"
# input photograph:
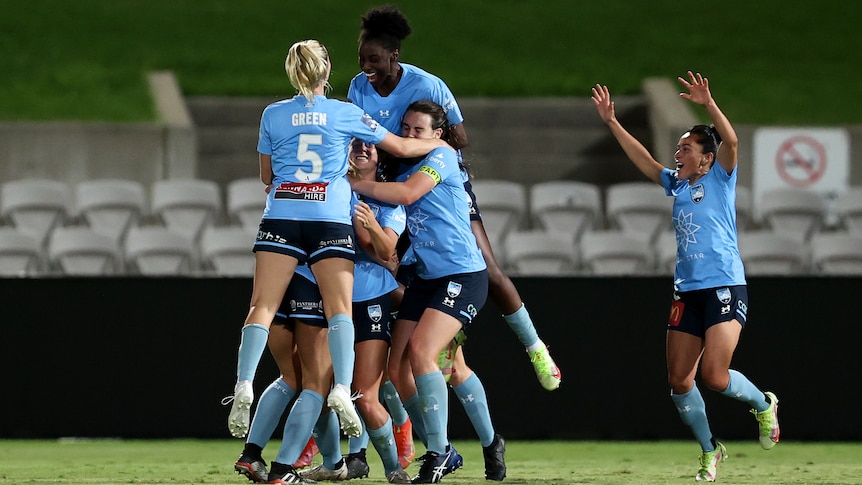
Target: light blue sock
(692, 410)
(741, 389)
(341, 337)
(270, 407)
(355, 445)
(413, 406)
(298, 427)
(327, 435)
(251, 346)
(522, 325)
(472, 396)
(434, 399)
(384, 442)
(389, 396)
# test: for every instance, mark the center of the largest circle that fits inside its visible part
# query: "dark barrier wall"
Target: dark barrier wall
(152, 358)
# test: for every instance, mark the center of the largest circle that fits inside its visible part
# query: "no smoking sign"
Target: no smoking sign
(801, 160)
(816, 159)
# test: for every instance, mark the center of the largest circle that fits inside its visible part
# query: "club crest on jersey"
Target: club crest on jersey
(697, 193)
(723, 295)
(375, 313)
(454, 289)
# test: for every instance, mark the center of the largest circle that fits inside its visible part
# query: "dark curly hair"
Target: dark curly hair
(386, 25)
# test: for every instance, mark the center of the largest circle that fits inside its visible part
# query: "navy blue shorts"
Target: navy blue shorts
(459, 295)
(695, 311)
(307, 241)
(405, 274)
(372, 319)
(475, 214)
(301, 301)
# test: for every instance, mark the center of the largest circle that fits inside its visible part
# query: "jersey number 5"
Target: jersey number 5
(305, 153)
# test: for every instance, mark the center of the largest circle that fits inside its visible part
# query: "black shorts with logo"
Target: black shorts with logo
(475, 213)
(695, 311)
(307, 241)
(301, 301)
(372, 319)
(459, 295)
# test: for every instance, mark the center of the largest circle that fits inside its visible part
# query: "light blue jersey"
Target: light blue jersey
(370, 280)
(439, 222)
(704, 217)
(308, 144)
(415, 85)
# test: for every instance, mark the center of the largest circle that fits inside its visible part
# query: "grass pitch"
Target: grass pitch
(84, 461)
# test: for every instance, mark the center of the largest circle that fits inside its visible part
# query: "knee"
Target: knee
(679, 383)
(717, 380)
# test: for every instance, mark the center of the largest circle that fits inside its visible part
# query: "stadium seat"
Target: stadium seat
(639, 207)
(540, 253)
(771, 253)
(111, 206)
(848, 207)
(81, 251)
(503, 205)
(246, 200)
(158, 251)
(665, 247)
(227, 251)
(796, 213)
(186, 206)
(744, 208)
(615, 253)
(836, 253)
(35, 206)
(565, 205)
(19, 253)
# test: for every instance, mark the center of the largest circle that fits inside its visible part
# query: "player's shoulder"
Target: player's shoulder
(417, 74)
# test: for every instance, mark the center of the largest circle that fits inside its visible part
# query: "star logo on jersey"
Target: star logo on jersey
(685, 230)
(416, 222)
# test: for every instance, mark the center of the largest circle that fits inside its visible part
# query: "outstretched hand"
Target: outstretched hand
(698, 89)
(602, 99)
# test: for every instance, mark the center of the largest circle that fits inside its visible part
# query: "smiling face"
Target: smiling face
(363, 156)
(379, 64)
(418, 125)
(691, 162)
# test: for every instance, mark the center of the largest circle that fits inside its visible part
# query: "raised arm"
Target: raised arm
(409, 147)
(401, 193)
(634, 149)
(698, 92)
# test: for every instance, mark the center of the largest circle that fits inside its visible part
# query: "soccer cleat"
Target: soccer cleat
(433, 467)
(339, 400)
(282, 474)
(398, 476)
(709, 461)
(546, 370)
(357, 466)
(404, 443)
(495, 459)
(254, 468)
(454, 460)
(320, 472)
(768, 420)
(238, 419)
(307, 455)
(446, 359)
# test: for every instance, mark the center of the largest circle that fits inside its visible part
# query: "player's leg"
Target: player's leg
(316, 365)
(335, 279)
(470, 391)
(272, 274)
(504, 294)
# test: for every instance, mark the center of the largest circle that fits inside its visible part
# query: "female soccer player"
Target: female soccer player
(710, 299)
(384, 89)
(451, 281)
(303, 155)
